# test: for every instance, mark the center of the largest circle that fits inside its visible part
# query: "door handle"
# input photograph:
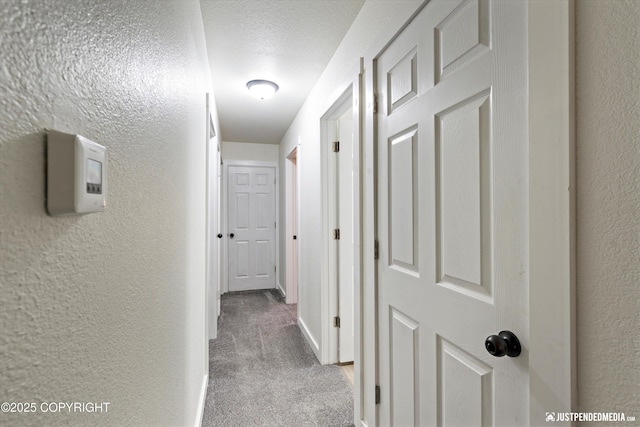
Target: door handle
(219, 235)
(231, 235)
(505, 343)
(295, 237)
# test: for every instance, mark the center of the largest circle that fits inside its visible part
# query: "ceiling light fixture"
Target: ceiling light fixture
(262, 89)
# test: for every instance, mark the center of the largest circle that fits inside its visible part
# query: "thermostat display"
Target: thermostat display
(94, 177)
(76, 175)
(94, 172)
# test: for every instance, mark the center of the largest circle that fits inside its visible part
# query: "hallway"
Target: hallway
(528, 215)
(263, 373)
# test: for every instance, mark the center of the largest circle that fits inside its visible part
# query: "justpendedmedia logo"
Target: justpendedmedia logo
(551, 417)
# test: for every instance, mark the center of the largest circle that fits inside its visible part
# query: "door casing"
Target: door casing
(292, 227)
(350, 97)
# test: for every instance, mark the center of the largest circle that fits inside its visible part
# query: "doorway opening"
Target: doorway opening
(340, 145)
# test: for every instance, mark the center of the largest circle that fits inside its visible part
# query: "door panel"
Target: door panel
(463, 196)
(451, 215)
(464, 387)
(405, 380)
(252, 222)
(403, 194)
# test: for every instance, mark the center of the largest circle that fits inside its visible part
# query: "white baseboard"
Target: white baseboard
(283, 292)
(314, 344)
(203, 399)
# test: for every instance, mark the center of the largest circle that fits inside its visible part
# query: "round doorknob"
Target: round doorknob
(505, 343)
(232, 235)
(219, 235)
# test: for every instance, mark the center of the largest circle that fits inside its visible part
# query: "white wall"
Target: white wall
(107, 307)
(305, 130)
(250, 151)
(608, 202)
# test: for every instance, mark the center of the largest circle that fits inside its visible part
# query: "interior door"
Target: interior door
(346, 339)
(452, 215)
(251, 209)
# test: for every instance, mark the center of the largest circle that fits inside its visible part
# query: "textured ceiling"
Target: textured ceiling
(288, 42)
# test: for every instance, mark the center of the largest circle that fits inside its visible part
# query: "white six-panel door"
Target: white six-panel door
(251, 227)
(452, 191)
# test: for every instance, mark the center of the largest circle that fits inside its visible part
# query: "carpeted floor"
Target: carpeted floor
(262, 371)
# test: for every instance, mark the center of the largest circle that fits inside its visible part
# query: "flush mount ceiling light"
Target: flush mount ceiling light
(262, 89)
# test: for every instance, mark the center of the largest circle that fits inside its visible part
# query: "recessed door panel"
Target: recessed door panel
(262, 179)
(462, 36)
(242, 210)
(463, 195)
(403, 191)
(404, 369)
(263, 263)
(264, 218)
(403, 81)
(242, 257)
(465, 388)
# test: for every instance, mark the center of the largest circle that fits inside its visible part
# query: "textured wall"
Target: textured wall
(608, 202)
(108, 306)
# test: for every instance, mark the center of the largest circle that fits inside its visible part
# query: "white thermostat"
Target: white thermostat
(76, 175)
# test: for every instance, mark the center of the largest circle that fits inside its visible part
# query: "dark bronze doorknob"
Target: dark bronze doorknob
(231, 235)
(505, 343)
(219, 235)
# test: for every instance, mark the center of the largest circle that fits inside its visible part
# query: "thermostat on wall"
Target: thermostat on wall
(76, 175)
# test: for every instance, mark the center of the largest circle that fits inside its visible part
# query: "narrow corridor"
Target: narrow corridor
(263, 372)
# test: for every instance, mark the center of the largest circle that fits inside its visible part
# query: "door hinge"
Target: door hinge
(336, 322)
(336, 234)
(335, 147)
(376, 249)
(377, 394)
(375, 103)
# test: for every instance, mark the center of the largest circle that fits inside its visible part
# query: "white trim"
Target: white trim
(210, 296)
(349, 98)
(292, 212)
(312, 341)
(281, 289)
(202, 400)
(225, 219)
(552, 209)
(358, 173)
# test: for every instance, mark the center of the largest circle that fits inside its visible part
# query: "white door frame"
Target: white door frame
(552, 383)
(349, 97)
(211, 217)
(225, 214)
(292, 227)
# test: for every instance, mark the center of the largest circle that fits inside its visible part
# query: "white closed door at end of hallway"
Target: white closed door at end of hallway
(252, 227)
